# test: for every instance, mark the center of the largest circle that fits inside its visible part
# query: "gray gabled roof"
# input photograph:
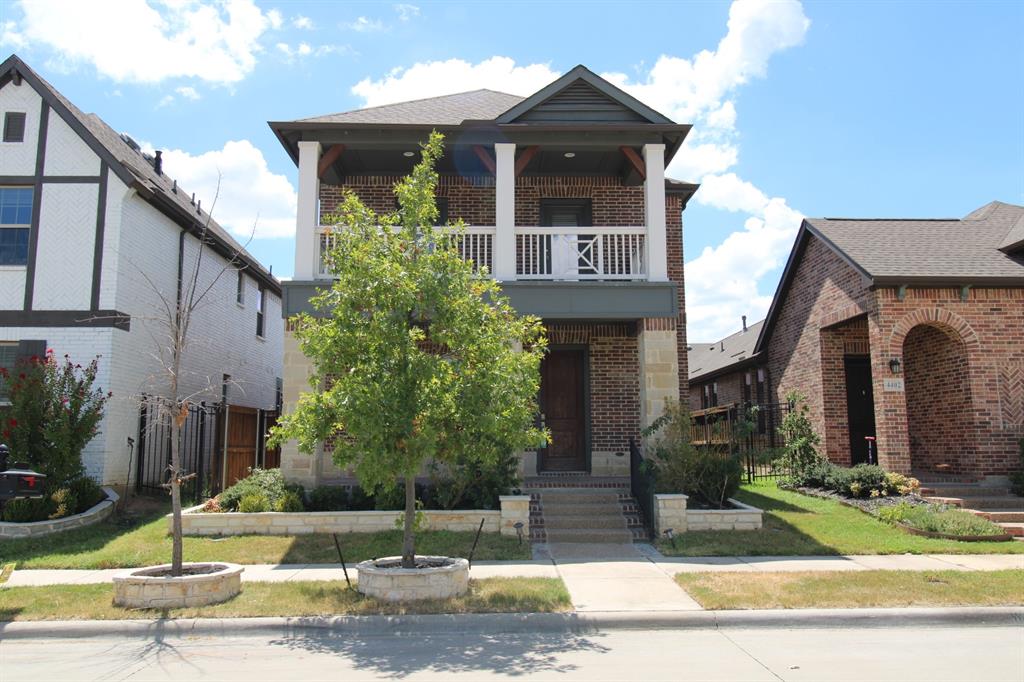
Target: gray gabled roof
(446, 110)
(963, 251)
(705, 360)
(947, 252)
(137, 171)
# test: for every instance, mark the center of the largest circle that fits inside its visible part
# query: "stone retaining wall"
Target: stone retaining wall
(671, 512)
(94, 514)
(410, 584)
(196, 522)
(149, 588)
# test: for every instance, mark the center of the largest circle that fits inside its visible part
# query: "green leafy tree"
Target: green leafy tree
(416, 356)
(800, 451)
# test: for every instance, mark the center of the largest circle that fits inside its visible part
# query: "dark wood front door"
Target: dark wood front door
(860, 407)
(563, 406)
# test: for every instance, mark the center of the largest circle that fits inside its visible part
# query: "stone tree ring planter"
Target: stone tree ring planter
(435, 577)
(199, 584)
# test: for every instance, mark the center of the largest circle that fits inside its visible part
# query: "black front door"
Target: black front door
(860, 407)
(563, 408)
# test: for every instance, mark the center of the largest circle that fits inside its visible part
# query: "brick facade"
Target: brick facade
(617, 388)
(962, 356)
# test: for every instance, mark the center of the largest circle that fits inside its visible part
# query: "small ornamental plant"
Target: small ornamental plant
(54, 411)
(416, 355)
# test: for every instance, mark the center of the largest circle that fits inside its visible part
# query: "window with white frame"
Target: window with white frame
(15, 219)
(240, 289)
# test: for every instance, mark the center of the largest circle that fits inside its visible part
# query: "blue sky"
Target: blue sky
(822, 109)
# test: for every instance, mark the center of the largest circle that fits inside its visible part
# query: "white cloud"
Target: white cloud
(188, 92)
(406, 11)
(164, 101)
(149, 42)
(10, 36)
(249, 191)
(304, 49)
(430, 79)
(275, 19)
(303, 22)
(364, 25)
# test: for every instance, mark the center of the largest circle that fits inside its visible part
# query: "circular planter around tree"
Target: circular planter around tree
(199, 584)
(435, 577)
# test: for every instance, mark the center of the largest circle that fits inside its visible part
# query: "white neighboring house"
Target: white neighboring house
(83, 214)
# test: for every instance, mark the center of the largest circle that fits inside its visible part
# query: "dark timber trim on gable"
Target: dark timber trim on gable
(97, 251)
(65, 318)
(37, 199)
(14, 70)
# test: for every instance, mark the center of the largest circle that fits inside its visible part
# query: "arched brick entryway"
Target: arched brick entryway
(940, 423)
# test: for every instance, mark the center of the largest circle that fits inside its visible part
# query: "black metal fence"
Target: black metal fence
(642, 483)
(198, 448)
(750, 430)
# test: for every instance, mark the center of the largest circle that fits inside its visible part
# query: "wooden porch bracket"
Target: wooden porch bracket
(634, 160)
(332, 154)
(524, 159)
(485, 158)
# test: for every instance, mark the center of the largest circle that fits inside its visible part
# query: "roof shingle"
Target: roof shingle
(451, 110)
(966, 249)
(707, 358)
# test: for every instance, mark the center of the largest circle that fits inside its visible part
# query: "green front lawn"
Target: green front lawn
(796, 524)
(327, 598)
(145, 542)
(854, 589)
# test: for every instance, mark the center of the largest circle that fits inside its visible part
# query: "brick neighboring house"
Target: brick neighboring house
(911, 331)
(727, 372)
(566, 200)
(83, 214)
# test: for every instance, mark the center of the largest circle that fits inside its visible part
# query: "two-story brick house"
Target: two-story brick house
(95, 236)
(567, 203)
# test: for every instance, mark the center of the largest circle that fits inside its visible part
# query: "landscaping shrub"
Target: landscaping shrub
(329, 498)
(862, 480)
(800, 451)
(251, 503)
(360, 500)
(710, 478)
(936, 519)
(474, 485)
(64, 503)
(28, 510)
(87, 493)
(289, 502)
(269, 483)
(54, 412)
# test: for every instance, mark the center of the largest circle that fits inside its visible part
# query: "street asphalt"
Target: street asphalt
(906, 652)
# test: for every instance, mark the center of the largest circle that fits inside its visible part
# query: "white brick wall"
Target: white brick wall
(12, 287)
(139, 272)
(19, 158)
(66, 152)
(67, 233)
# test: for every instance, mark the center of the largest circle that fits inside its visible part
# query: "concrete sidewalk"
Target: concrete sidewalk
(593, 569)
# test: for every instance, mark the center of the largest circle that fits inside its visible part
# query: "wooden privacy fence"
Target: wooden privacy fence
(218, 443)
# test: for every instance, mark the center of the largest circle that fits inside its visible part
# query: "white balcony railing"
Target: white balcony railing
(551, 253)
(574, 253)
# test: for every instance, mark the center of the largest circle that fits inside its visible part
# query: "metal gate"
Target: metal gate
(198, 448)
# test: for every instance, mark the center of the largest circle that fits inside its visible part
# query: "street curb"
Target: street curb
(524, 623)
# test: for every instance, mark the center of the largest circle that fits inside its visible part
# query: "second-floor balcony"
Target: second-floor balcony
(549, 253)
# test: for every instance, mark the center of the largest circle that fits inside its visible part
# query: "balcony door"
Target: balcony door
(570, 254)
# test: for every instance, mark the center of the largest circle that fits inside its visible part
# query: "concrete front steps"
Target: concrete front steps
(994, 503)
(592, 514)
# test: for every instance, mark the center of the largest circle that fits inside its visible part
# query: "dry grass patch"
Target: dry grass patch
(854, 589)
(322, 598)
